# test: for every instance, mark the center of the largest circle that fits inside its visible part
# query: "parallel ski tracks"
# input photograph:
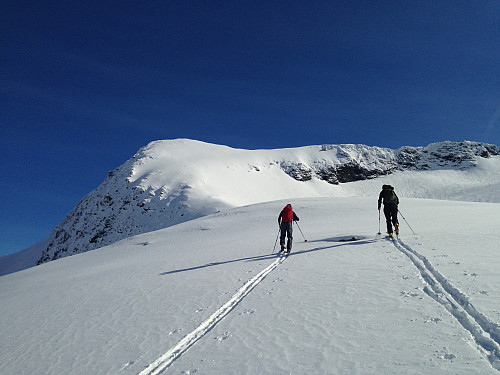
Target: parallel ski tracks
(485, 332)
(163, 363)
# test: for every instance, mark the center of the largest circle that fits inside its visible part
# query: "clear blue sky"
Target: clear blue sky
(85, 84)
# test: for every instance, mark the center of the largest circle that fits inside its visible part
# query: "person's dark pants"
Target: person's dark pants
(286, 231)
(391, 216)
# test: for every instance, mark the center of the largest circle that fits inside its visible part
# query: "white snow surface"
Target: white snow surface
(208, 296)
(236, 177)
(172, 181)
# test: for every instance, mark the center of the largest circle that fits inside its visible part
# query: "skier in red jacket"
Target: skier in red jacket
(285, 219)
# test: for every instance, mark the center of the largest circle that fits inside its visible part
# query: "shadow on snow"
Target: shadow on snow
(342, 241)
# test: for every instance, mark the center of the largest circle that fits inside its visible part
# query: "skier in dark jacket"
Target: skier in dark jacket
(391, 201)
(285, 219)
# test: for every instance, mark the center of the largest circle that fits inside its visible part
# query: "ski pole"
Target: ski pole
(406, 221)
(379, 221)
(301, 231)
(275, 242)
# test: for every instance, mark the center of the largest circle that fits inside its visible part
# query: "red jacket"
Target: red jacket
(287, 215)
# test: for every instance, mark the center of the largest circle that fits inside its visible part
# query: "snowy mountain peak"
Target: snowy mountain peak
(172, 181)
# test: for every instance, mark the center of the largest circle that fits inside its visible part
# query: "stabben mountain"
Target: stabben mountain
(172, 181)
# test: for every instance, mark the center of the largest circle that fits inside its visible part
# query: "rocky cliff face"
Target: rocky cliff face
(358, 162)
(131, 201)
(117, 209)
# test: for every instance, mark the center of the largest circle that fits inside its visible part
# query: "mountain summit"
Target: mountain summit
(171, 181)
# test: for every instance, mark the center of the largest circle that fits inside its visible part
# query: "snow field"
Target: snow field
(330, 307)
(173, 181)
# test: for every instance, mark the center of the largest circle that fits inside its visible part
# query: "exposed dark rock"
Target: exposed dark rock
(297, 171)
(328, 174)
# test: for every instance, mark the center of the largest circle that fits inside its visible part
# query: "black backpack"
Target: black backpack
(389, 195)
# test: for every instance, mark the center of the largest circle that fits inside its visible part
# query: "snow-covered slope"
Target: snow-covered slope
(173, 181)
(208, 297)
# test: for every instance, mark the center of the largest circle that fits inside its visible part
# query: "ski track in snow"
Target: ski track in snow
(163, 363)
(485, 332)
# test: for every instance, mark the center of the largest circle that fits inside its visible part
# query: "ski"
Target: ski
(283, 254)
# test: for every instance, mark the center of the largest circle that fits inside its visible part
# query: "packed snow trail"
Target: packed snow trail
(164, 362)
(485, 332)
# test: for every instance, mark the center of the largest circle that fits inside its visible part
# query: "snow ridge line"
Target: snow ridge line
(442, 291)
(164, 362)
